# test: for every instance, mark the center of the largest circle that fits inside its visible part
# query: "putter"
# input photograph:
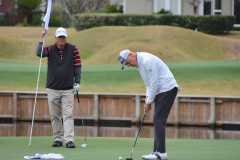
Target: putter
(145, 113)
(85, 144)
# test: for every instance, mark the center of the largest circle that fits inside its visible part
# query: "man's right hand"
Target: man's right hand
(147, 107)
(43, 34)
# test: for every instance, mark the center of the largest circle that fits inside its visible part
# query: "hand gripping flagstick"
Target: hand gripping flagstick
(46, 20)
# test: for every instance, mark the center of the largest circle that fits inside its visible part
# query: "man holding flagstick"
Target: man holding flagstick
(46, 20)
(63, 79)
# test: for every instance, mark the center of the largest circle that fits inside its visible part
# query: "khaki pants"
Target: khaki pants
(55, 99)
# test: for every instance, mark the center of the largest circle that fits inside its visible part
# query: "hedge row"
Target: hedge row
(3, 21)
(210, 24)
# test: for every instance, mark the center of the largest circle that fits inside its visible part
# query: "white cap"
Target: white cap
(61, 32)
(122, 57)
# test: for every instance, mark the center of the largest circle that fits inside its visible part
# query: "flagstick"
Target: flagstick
(46, 20)
(36, 94)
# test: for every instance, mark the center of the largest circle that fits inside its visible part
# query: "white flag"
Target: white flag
(47, 16)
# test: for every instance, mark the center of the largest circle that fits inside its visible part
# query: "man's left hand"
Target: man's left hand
(76, 87)
(147, 107)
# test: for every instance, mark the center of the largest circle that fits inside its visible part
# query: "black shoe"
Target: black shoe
(70, 144)
(57, 144)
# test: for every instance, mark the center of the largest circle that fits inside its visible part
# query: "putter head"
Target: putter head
(84, 145)
(129, 159)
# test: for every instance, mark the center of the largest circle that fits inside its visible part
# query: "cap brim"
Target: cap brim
(123, 64)
(61, 35)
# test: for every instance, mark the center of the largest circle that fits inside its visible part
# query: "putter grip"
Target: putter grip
(77, 97)
(145, 113)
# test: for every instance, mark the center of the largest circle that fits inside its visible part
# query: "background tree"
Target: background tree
(115, 8)
(195, 4)
(73, 7)
(58, 13)
(29, 9)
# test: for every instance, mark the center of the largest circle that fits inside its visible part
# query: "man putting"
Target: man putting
(161, 87)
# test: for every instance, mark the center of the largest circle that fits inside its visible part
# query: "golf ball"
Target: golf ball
(120, 158)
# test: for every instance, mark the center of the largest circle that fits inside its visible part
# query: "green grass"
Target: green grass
(196, 78)
(211, 70)
(183, 50)
(100, 148)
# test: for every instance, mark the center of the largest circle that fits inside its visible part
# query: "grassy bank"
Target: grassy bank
(196, 78)
(101, 45)
(101, 148)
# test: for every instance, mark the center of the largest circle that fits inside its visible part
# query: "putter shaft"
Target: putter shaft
(145, 113)
(83, 145)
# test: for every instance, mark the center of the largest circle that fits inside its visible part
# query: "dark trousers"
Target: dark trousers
(163, 104)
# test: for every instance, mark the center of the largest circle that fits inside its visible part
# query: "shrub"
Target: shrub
(217, 24)
(55, 21)
(37, 20)
(86, 21)
(3, 21)
(59, 12)
(163, 11)
(116, 8)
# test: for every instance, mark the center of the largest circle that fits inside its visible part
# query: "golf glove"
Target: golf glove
(76, 87)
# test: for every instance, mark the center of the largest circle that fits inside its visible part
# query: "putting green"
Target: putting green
(102, 148)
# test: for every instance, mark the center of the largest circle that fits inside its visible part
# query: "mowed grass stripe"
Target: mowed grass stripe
(110, 148)
(197, 78)
(208, 70)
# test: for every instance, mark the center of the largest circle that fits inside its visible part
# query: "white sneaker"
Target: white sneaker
(155, 156)
(143, 156)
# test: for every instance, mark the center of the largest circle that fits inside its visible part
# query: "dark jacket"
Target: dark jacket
(60, 72)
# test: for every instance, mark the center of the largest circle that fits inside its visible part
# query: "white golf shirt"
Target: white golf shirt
(155, 74)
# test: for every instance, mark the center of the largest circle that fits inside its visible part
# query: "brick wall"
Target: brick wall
(6, 5)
